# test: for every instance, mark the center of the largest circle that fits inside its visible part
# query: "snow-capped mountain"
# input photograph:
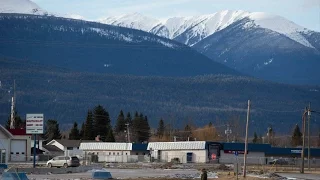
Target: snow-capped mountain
(254, 43)
(198, 28)
(100, 48)
(20, 6)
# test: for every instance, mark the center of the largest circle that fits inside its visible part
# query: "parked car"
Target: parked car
(279, 162)
(64, 161)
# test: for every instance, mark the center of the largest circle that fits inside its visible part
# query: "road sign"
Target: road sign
(34, 124)
(236, 153)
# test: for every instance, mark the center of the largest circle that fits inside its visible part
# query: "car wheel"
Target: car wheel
(49, 165)
(65, 165)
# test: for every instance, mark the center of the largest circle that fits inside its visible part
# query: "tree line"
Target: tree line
(97, 126)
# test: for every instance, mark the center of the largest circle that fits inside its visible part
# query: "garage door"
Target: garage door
(18, 150)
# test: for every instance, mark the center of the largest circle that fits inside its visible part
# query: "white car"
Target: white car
(64, 161)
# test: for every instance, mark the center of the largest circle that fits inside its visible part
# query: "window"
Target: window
(109, 153)
(22, 153)
(114, 153)
(17, 152)
(144, 153)
(126, 153)
(69, 148)
(118, 153)
(137, 153)
(97, 153)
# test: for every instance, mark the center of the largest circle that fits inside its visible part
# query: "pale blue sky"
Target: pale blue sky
(303, 12)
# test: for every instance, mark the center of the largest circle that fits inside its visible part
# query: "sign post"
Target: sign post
(34, 126)
(237, 163)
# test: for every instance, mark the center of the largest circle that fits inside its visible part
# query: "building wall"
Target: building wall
(108, 152)
(252, 158)
(4, 145)
(198, 156)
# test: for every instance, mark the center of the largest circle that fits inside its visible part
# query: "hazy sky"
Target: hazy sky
(303, 12)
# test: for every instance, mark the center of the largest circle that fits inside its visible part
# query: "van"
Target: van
(64, 161)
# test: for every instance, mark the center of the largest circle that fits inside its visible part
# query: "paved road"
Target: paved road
(301, 176)
(121, 173)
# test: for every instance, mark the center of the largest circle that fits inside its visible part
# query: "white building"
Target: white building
(184, 152)
(14, 145)
(69, 147)
(116, 152)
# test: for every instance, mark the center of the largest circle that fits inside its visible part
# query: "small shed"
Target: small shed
(183, 152)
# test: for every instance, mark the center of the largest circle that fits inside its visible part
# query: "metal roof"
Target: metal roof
(183, 145)
(106, 146)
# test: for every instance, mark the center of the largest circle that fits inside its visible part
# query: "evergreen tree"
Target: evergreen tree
(255, 138)
(160, 130)
(141, 128)
(146, 129)
(81, 133)
(74, 133)
(128, 118)
(102, 122)
(210, 124)
(89, 127)
(296, 139)
(110, 136)
(121, 123)
(52, 130)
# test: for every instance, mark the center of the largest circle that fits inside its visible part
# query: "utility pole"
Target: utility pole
(228, 132)
(303, 139)
(309, 118)
(12, 119)
(128, 133)
(246, 142)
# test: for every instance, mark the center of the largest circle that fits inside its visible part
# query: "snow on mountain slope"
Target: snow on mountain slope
(135, 21)
(281, 25)
(20, 6)
(198, 28)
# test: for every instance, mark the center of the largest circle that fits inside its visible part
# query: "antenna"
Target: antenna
(12, 120)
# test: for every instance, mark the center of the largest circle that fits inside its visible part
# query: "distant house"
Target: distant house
(69, 147)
